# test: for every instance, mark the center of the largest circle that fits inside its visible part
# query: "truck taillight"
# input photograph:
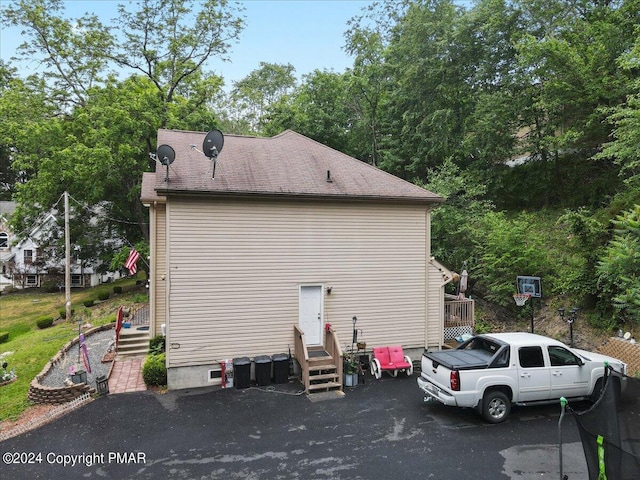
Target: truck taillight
(455, 380)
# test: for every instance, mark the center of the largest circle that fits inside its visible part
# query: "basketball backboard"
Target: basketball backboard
(530, 285)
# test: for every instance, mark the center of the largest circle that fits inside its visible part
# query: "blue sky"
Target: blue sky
(309, 34)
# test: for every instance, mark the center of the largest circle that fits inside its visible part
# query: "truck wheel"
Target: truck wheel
(495, 406)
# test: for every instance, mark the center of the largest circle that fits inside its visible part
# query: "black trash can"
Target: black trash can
(242, 372)
(263, 369)
(280, 368)
(102, 385)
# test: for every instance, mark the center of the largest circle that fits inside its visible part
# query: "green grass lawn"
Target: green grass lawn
(32, 347)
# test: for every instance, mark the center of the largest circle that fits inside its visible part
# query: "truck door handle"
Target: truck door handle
(557, 373)
(525, 375)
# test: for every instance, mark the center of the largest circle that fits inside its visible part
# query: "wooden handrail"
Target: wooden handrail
(332, 346)
(302, 355)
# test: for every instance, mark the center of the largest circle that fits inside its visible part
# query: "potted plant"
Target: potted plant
(350, 366)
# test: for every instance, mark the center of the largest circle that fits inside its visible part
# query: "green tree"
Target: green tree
(320, 108)
(455, 223)
(30, 128)
(508, 247)
(625, 137)
(169, 41)
(367, 87)
(73, 51)
(577, 258)
(619, 269)
(251, 95)
(94, 141)
(426, 104)
(566, 103)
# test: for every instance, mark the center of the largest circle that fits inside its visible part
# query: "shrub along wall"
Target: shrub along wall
(54, 395)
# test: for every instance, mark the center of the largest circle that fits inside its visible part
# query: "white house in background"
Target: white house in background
(6, 238)
(24, 263)
(289, 236)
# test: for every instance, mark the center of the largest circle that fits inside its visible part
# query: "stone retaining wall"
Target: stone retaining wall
(623, 350)
(55, 395)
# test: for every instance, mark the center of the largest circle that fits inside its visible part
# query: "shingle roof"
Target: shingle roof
(286, 165)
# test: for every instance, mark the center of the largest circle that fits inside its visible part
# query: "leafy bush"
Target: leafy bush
(63, 313)
(89, 302)
(619, 268)
(157, 344)
(117, 289)
(49, 286)
(4, 336)
(508, 248)
(44, 322)
(103, 296)
(140, 298)
(154, 371)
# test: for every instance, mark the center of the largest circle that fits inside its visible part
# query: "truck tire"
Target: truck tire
(496, 406)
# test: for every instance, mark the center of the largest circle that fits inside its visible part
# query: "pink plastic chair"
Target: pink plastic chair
(392, 360)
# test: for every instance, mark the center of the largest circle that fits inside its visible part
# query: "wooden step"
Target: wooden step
(323, 376)
(317, 368)
(323, 386)
(326, 362)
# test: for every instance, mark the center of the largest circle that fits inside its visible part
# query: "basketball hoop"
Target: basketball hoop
(521, 298)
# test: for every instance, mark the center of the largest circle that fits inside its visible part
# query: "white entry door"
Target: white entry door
(310, 313)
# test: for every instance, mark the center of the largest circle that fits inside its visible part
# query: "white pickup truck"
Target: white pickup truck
(493, 371)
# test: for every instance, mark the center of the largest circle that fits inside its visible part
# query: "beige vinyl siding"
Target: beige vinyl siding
(235, 269)
(160, 272)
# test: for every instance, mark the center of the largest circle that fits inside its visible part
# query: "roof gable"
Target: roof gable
(286, 165)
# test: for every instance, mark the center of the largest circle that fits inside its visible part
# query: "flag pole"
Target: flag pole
(67, 254)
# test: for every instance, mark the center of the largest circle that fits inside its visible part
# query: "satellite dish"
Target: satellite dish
(212, 146)
(213, 143)
(165, 155)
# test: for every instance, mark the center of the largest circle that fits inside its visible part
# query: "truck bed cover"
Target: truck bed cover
(460, 359)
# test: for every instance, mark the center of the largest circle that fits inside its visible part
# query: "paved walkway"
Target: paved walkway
(126, 375)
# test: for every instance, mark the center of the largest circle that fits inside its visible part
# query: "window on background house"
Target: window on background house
(32, 280)
(4, 240)
(28, 256)
(76, 280)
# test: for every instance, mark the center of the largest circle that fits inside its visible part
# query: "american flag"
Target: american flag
(134, 256)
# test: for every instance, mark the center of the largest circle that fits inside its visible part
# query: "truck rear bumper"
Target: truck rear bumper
(435, 392)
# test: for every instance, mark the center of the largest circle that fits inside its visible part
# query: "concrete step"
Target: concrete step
(123, 347)
(128, 333)
(132, 353)
(133, 342)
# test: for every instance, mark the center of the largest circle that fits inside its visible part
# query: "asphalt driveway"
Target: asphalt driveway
(379, 430)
